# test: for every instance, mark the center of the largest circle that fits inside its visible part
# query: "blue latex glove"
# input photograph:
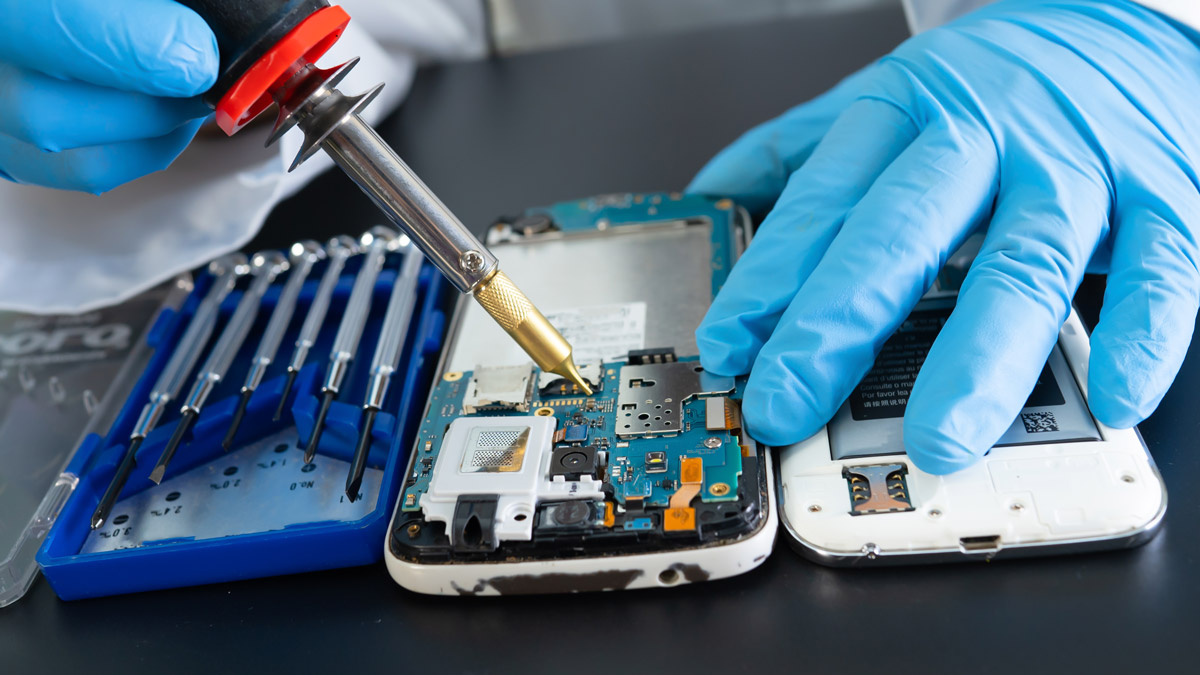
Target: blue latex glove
(1069, 129)
(94, 94)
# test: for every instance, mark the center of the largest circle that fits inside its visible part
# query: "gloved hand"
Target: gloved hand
(1069, 129)
(96, 94)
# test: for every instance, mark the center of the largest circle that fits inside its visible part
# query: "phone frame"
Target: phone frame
(645, 569)
(959, 542)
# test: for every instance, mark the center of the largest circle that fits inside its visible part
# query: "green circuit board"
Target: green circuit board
(592, 421)
(510, 462)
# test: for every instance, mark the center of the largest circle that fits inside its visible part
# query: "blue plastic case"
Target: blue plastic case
(298, 547)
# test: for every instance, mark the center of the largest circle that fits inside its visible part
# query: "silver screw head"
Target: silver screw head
(712, 442)
(471, 261)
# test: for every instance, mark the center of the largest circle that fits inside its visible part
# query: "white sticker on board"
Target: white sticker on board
(603, 332)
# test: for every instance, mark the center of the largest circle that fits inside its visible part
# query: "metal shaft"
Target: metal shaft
(304, 255)
(395, 328)
(330, 121)
(266, 266)
(301, 262)
(390, 344)
(409, 203)
(170, 381)
(345, 344)
(338, 250)
(358, 307)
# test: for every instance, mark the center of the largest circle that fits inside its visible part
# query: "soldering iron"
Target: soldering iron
(268, 51)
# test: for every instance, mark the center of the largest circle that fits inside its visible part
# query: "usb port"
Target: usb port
(979, 544)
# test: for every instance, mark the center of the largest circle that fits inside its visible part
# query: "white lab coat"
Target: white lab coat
(69, 252)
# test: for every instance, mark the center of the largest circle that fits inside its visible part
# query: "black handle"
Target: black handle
(246, 30)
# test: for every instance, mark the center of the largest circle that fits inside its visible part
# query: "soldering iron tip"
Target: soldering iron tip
(238, 414)
(181, 430)
(359, 464)
(318, 426)
(569, 370)
(283, 398)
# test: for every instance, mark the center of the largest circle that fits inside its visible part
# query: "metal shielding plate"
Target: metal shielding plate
(263, 487)
(651, 396)
(665, 265)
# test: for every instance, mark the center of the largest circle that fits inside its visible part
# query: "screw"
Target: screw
(814, 508)
(719, 489)
(1017, 506)
(1127, 478)
(934, 513)
(471, 261)
(712, 442)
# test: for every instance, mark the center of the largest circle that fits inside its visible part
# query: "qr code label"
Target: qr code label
(1039, 422)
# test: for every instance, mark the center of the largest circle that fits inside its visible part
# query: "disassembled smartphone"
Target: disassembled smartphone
(1058, 481)
(520, 483)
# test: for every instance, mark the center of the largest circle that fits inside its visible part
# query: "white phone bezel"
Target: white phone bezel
(1016, 501)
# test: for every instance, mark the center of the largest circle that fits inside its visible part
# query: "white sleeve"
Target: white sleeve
(925, 14)
(1186, 12)
(71, 252)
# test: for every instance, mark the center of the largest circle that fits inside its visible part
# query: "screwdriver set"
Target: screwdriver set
(255, 423)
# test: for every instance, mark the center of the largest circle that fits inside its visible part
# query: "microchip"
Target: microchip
(656, 461)
(576, 433)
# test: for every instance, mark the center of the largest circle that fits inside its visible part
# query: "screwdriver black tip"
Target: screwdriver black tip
(238, 414)
(128, 462)
(311, 450)
(181, 429)
(287, 389)
(359, 465)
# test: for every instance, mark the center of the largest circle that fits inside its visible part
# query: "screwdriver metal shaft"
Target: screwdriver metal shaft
(377, 242)
(187, 352)
(265, 267)
(304, 255)
(385, 361)
(330, 121)
(338, 250)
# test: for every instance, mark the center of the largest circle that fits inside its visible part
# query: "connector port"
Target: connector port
(980, 544)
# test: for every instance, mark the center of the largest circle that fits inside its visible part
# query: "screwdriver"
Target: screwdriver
(385, 361)
(304, 255)
(268, 49)
(187, 352)
(377, 242)
(265, 267)
(338, 250)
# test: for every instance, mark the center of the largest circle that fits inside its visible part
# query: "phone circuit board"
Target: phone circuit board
(522, 458)
(511, 463)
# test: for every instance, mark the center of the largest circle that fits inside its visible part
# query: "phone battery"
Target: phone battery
(870, 423)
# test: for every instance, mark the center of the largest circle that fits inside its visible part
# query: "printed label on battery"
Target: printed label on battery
(871, 421)
(884, 392)
(604, 332)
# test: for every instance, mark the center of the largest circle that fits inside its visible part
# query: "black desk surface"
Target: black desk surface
(492, 138)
